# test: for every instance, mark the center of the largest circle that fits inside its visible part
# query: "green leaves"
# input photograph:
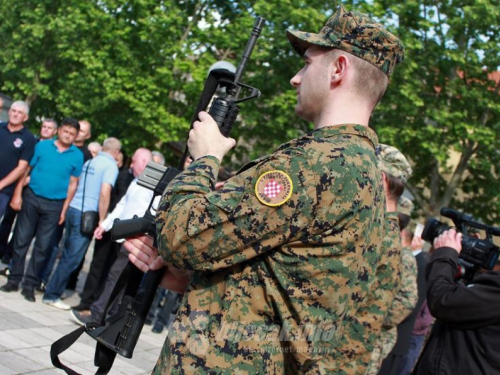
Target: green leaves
(136, 70)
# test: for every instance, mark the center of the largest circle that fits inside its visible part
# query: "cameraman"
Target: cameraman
(465, 337)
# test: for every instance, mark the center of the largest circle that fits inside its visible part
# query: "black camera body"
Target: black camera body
(480, 253)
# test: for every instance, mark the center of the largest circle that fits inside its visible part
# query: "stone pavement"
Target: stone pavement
(27, 330)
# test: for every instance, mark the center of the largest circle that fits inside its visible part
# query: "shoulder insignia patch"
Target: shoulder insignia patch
(274, 188)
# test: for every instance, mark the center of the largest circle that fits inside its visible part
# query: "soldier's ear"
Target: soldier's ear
(340, 66)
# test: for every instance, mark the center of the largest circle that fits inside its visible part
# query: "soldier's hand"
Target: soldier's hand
(175, 279)
(206, 139)
(449, 238)
(143, 254)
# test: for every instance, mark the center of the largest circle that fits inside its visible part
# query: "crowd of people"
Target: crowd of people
(306, 261)
(56, 177)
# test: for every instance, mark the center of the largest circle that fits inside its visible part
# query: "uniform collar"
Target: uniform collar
(352, 129)
(336, 130)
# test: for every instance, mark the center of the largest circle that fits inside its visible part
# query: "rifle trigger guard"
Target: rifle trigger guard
(255, 93)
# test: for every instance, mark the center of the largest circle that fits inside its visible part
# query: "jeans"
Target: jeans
(75, 245)
(38, 216)
(51, 256)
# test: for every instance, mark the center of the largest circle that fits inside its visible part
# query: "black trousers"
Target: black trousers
(7, 246)
(105, 252)
(38, 218)
(98, 307)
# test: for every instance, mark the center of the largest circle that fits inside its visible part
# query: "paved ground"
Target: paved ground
(27, 330)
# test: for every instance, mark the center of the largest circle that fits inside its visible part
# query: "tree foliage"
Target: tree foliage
(135, 70)
(443, 105)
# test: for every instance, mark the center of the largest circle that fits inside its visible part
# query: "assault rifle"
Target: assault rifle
(120, 332)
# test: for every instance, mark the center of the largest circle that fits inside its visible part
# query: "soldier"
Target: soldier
(405, 296)
(383, 287)
(278, 254)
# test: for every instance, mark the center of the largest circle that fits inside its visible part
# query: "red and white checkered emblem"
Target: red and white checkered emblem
(272, 189)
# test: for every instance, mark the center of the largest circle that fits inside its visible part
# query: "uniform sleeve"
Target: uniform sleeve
(201, 229)
(388, 271)
(407, 296)
(464, 306)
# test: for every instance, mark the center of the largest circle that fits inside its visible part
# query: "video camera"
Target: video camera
(480, 253)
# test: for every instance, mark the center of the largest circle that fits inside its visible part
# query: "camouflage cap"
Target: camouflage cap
(405, 206)
(357, 34)
(392, 161)
(412, 225)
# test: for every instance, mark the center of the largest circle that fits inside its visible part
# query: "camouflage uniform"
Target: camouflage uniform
(402, 306)
(266, 268)
(405, 294)
(276, 285)
(387, 279)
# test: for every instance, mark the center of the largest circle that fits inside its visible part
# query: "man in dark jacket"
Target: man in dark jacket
(465, 337)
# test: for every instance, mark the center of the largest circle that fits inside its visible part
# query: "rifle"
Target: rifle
(121, 331)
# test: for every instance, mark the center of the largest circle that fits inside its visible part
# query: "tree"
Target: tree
(442, 107)
(136, 69)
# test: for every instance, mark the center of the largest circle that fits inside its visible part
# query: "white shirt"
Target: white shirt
(135, 202)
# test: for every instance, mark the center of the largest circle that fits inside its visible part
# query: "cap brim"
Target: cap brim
(302, 40)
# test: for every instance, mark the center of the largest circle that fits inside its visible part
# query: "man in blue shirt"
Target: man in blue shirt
(93, 194)
(54, 168)
(16, 149)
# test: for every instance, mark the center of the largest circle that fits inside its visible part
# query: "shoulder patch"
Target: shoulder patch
(274, 188)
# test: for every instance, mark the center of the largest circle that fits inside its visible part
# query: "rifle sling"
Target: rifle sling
(130, 278)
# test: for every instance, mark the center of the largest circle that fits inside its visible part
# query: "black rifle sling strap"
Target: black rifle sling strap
(129, 278)
(105, 356)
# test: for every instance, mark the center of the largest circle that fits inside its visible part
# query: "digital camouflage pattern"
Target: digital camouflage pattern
(357, 34)
(383, 287)
(402, 305)
(405, 206)
(275, 289)
(412, 225)
(392, 161)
